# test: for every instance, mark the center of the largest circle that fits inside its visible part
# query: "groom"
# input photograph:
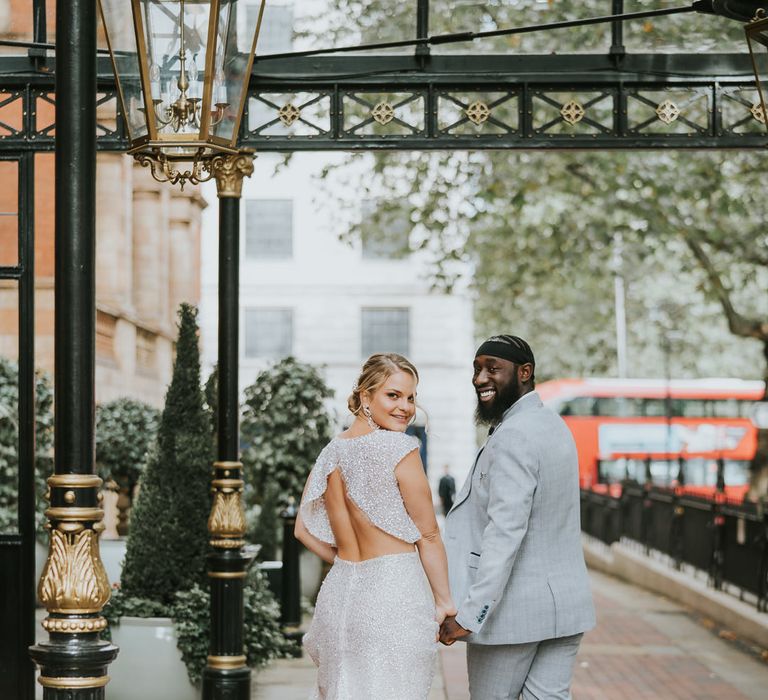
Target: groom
(513, 539)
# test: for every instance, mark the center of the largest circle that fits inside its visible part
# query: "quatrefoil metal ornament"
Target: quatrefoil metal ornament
(667, 111)
(758, 113)
(478, 112)
(572, 112)
(383, 113)
(288, 114)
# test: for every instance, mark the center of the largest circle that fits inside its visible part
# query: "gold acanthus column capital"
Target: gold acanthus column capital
(226, 523)
(230, 170)
(73, 585)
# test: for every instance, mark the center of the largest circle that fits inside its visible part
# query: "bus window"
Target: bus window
(654, 408)
(579, 406)
(731, 408)
(693, 408)
(620, 406)
(736, 472)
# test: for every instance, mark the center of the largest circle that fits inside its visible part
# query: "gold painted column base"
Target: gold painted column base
(70, 683)
(226, 662)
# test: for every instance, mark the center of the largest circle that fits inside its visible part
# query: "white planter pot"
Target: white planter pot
(149, 665)
(112, 555)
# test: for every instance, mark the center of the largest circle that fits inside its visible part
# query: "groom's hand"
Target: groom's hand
(451, 630)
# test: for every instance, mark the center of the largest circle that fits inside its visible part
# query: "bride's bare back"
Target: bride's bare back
(357, 538)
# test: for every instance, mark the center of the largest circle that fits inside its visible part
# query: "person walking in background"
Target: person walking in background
(513, 538)
(446, 489)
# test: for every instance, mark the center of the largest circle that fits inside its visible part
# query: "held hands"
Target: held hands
(443, 611)
(450, 631)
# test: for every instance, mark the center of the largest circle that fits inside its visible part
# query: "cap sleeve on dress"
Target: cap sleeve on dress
(312, 508)
(398, 445)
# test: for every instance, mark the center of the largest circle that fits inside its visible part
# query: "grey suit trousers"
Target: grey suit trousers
(537, 670)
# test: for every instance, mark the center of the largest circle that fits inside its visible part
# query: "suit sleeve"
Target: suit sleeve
(513, 477)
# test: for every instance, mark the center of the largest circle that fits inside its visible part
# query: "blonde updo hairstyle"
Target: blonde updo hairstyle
(376, 370)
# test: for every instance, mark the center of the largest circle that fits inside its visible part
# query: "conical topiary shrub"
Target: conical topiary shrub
(164, 574)
(169, 533)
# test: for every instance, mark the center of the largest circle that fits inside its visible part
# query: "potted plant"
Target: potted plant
(285, 425)
(125, 430)
(161, 608)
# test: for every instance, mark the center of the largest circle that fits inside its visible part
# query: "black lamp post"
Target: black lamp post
(182, 69)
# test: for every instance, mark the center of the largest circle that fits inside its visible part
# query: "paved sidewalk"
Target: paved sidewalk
(643, 647)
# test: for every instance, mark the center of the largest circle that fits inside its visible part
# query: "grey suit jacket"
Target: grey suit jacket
(513, 535)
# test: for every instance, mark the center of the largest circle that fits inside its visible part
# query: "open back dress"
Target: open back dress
(373, 635)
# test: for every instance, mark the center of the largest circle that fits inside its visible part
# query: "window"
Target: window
(276, 34)
(268, 333)
(385, 231)
(386, 330)
(268, 229)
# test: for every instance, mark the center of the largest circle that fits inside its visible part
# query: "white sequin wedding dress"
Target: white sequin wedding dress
(373, 633)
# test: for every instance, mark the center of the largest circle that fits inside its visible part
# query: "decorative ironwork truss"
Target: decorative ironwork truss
(448, 102)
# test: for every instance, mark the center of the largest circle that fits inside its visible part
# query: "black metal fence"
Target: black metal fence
(728, 541)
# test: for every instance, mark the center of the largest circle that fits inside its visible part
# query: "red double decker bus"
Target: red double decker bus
(629, 428)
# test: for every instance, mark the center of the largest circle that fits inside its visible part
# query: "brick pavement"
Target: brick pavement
(643, 647)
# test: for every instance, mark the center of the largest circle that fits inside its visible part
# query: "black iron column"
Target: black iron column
(226, 674)
(290, 585)
(74, 586)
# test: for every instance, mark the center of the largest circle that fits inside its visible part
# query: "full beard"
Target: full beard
(491, 413)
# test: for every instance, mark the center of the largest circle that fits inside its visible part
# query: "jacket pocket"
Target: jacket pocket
(473, 560)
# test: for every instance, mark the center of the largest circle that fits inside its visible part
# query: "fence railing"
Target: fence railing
(727, 541)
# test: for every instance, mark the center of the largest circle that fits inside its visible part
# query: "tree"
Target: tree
(169, 531)
(125, 430)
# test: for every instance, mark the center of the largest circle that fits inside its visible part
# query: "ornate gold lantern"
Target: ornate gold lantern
(757, 39)
(182, 69)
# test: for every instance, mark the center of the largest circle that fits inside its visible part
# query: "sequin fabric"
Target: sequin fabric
(367, 464)
(373, 633)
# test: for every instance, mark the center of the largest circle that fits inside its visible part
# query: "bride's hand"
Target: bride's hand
(443, 611)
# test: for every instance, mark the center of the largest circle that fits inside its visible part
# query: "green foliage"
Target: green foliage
(169, 535)
(538, 231)
(120, 605)
(351, 21)
(125, 430)
(285, 425)
(9, 448)
(211, 396)
(262, 638)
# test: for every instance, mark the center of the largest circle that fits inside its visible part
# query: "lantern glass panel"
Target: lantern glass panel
(176, 36)
(121, 37)
(757, 37)
(236, 31)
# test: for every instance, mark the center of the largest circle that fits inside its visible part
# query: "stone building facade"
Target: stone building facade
(147, 263)
(147, 256)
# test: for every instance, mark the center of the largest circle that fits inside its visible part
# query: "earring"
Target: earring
(369, 417)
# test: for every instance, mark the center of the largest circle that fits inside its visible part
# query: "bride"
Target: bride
(367, 509)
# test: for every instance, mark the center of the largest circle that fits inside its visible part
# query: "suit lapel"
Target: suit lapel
(529, 401)
(467, 487)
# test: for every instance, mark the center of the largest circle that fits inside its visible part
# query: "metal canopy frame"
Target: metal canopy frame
(679, 101)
